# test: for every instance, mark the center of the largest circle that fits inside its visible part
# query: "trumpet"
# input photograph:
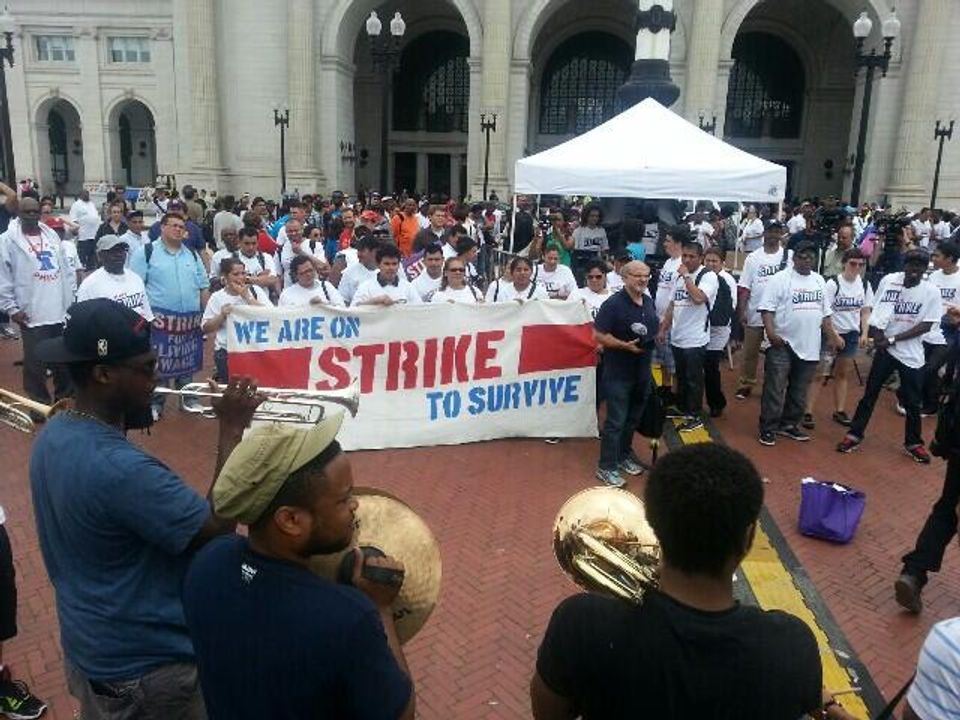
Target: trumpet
(15, 410)
(306, 406)
(603, 542)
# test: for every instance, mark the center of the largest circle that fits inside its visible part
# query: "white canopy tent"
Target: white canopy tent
(651, 152)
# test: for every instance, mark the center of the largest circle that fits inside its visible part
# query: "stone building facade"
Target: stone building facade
(122, 91)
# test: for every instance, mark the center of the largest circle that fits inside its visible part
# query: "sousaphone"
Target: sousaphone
(603, 542)
(386, 525)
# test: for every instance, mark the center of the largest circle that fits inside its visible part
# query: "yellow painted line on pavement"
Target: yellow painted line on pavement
(774, 588)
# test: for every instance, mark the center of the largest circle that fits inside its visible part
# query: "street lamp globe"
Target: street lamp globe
(397, 26)
(6, 21)
(891, 26)
(862, 27)
(374, 26)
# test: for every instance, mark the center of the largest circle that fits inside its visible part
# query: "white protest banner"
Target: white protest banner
(431, 374)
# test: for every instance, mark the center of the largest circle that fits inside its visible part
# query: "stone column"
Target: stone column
(922, 82)
(95, 131)
(301, 95)
(703, 58)
(204, 97)
(495, 87)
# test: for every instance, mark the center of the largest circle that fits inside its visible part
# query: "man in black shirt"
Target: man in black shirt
(689, 650)
(625, 327)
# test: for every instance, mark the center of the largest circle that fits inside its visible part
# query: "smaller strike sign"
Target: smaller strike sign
(431, 374)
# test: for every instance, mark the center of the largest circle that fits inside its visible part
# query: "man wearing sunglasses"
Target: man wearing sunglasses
(116, 526)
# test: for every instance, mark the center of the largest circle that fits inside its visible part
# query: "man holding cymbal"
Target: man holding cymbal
(273, 639)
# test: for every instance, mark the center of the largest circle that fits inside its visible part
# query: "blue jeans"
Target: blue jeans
(220, 360)
(625, 398)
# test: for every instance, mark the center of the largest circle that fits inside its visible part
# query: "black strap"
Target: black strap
(783, 260)
(887, 712)
(696, 283)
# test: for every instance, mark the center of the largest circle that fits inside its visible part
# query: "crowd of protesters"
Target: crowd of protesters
(808, 288)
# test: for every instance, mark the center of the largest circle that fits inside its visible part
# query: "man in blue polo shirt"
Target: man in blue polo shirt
(177, 287)
(625, 327)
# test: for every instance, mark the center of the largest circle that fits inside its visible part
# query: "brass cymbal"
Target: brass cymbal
(390, 525)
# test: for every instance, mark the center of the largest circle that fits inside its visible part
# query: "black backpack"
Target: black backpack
(721, 314)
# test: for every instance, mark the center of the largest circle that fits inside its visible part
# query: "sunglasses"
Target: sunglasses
(594, 277)
(456, 270)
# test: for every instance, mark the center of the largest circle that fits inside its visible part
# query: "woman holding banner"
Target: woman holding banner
(520, 287)
(306, 288)
(454, 287)
(236, 291)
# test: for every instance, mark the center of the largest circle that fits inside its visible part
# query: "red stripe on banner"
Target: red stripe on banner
(557, 347)
(289, 368)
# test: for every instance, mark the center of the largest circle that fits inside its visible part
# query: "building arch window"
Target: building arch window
(431, 90)
(57, 136)
(766, 89)
(579, 86)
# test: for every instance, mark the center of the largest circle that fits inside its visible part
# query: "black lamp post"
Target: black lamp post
(650, 76)
(282, 120)
(487, 127)
(871, 61)
(941, 134)
(710, 127)
(386, 55)
(9, 172)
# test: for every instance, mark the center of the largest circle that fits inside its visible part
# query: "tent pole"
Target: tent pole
(513, 222)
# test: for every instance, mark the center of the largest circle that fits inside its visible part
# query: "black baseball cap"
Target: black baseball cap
(100, 331)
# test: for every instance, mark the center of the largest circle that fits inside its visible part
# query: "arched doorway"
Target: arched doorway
(429, 104)
(133, 144)
(59, 148)
(790, 92)
(578, 88)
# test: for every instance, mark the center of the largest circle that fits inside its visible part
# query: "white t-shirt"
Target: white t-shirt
(134, 242)
(949, 287)
(704, 232)
(402, 292)
(797, 223)
(897, 309)
(467, 295)
(218, 301)
(593, 239)
(758, 268)
(691, 322)
(426, 285)
(126, 288)
(449, 251)
(72, 259)
(558, 283)
(720, 335)
(296, 295)
(253, 266)
(350, 256)
(668, 275)
(942, 230)
(86, 215)
(922, 230)
(353, 277)
(503, 291)
(614, 281)
(752, 234)
(935, 692)
(846, 300)
(799, 303)
(592, 300)
(286, 254)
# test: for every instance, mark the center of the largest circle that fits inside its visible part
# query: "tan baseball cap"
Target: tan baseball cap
(261, 463)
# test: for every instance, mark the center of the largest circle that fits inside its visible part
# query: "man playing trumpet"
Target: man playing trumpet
(117, 526)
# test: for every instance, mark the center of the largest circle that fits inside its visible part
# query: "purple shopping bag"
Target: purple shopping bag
(830, 511)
